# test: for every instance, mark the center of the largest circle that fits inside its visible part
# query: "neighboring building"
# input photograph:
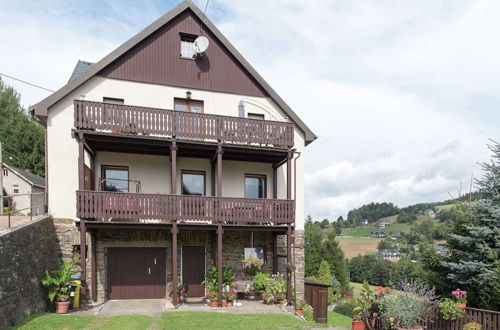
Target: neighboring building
(389, 254)
(443, 250)
(163, 194)
(364, 222)
(384, 223)
(20, 184)
(378, 234)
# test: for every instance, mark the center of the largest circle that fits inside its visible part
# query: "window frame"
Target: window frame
(115, 167)
(14, 188)
(255, 176)
(194, 172)
(188, 103)
(187, 37)
(113, 100)
(260, 115)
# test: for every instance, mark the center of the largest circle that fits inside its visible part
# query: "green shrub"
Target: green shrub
(260, 281)
(346, 307)
(450, 310)
(308, 312)
(473, 326)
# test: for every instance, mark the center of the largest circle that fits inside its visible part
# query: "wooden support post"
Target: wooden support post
(219, 170)
(83, 231)
(219, 262)
(289, 261)
(275, 182)
(275, 253)
(8, 212)
(173, 172)
(174, 263)
(93, 265)
(31, 206)
(212, 178)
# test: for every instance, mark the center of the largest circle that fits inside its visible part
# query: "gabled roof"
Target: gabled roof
(40, 109)
(33, 179)
(80, 67)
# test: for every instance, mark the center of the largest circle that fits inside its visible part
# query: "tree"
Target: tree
(335, 257)
(371, 212)
(475, 238)
(313, 247)
(407, 217)
(325, 276)
(22, 138)
(325, 224)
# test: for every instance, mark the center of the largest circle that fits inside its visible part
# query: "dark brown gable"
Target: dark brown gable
(157, 60)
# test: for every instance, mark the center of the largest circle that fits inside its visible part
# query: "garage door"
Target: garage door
(136, 273)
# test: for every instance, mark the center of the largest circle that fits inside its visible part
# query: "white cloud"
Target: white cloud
(402, 94)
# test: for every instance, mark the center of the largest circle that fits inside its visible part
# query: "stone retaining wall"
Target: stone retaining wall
(25, 254)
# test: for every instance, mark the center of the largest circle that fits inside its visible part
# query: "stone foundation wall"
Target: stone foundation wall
(25, 254)
(299, 261)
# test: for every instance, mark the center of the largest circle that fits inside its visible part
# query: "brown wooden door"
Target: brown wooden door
(136, 273)
(193, 270)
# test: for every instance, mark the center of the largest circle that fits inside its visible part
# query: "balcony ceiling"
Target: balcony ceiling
(152, 145)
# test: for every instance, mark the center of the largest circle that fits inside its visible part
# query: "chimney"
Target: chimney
(27, 170)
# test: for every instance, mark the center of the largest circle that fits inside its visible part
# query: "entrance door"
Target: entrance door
(136, 273)
(193, 270)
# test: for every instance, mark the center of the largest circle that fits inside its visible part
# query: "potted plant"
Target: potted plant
(450, 310)
(357, 322)
(252, 265)
(59, 284)
(212, 296)
(300, 307)
(181, 292)
(230, 297)
(461, 297)
(473, 326)
(259, 282)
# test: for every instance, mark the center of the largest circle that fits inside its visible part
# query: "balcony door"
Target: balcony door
(190, 125)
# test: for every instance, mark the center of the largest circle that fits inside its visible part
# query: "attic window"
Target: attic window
(187, 45)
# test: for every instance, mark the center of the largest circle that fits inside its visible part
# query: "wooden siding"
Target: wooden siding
(134, 119)
(157, 60)
(225, 210)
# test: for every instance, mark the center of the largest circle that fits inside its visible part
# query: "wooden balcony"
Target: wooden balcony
(139, 207)
(186, 125)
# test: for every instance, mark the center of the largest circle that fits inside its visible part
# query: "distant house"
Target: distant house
(389, 253)
(430, 213)
(22, 182)
(384, 223)
(398, 233)
(443, 250)
(364, 222)
(379, 234)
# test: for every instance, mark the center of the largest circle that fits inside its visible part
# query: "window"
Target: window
(193, 183)
(187, 46)
(112, 100)
(255, 116)
(188, 105)
(115, 178)
(5, 172)
(15, 188)
(255, 186)
(254, 252)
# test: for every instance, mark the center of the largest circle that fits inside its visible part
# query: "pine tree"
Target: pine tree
(313, 242)
(335, 257)
(325, 276)
(475, 240)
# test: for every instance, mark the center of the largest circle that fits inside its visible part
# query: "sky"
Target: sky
(404, 95)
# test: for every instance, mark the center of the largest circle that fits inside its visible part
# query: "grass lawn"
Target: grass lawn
(172, 320)
(339, 320)
(352, 247)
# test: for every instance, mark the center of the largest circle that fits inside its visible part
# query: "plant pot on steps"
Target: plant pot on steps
(229, 304)
(358, 325)
(299, 311)
(214, 303)
(62, 307)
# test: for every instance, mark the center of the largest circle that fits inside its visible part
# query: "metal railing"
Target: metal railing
(10, 203)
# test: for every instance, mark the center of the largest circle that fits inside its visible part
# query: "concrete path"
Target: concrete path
(156, 307)
(16, 221)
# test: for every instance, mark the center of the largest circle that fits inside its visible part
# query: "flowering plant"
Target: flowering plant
(181, 289)
(212, 295)
(460, 296)
(357, 317)
(231, 295)
(252, 265)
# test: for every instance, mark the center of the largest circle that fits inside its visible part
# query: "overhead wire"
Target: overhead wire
(26, 82)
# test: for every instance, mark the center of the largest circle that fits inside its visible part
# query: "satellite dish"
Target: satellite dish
(200, 45)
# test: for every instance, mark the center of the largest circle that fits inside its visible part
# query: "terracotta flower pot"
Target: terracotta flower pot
(229, 304)
(462, 305)
(224, 303)
(214, 303)
(358, 325)
(299, 311)
(62, 307)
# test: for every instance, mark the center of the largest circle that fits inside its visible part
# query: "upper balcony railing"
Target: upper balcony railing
(106, 205)
(134, 119)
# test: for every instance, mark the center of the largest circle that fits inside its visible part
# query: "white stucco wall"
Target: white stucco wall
(21, 201)
(63, 148)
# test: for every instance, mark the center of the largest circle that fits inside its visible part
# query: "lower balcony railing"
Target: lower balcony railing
(108, 206)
